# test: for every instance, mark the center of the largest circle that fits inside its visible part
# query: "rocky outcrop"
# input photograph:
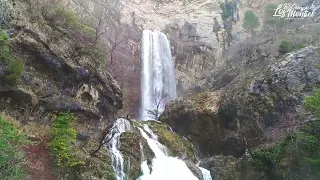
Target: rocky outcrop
(57, 76)
(197, 118)
(222, 167)
(251, 109)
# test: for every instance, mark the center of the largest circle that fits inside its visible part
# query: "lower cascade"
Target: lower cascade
(120, 126)
(163, 167)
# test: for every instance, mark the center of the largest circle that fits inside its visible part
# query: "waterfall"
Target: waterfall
(206, 173)
(120, 126)
(158, 85)
(163, 166)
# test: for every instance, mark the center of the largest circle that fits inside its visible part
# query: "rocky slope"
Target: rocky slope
(58, 69)
(254, 99)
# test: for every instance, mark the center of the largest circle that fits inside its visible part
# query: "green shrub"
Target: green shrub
(271, 21)
(298, 154)
(293, 152)
(13, 66)
(62, 137)
(11, 153)
(285, 47)
(250, 21)
(226, 10)
(312, 103)
(299, 46)
(68, 18)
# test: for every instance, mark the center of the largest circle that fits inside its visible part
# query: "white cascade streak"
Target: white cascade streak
(120, 126)
(158, 84)
(163, 166)
(205, 173)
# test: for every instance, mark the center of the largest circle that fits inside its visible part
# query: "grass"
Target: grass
(11, 153)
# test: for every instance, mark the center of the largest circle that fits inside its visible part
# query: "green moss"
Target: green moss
(176, 145)
(130, 148)
(12, 155)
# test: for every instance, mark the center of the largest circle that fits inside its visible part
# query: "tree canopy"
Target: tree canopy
(251, 20)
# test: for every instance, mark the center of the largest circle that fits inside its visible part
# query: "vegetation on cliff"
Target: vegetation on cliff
(62, 136)
(177, 145)
(13, 67)
(297, 156)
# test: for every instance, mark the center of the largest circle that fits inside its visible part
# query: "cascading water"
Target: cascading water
(120, 126)
(158, 85)
(163, 166)
(206, 174)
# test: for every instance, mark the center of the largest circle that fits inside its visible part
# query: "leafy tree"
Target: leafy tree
(226, 10)
(275, 23)
(251, 21)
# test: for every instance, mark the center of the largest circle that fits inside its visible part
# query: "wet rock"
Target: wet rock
(194, 169)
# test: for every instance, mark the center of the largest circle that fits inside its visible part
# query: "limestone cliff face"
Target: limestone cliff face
(122, 43)
(59, 73)
(196, 47)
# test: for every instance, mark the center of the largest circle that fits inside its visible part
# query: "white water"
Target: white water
(120, 126)
(158, 85)
(163, 166)
(206, 174)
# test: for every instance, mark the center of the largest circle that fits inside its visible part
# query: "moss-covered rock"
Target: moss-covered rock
(135, 150)
(197, 118)
(94, 167)
(177, 145)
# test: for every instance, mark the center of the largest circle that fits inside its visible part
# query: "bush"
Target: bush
(250, 21)
(295, 151)
(312, 103)
(62, 137)
(227, 10)
(297, 156)
(11, 153)
(62, 17)
(284, 47)
(13, 67)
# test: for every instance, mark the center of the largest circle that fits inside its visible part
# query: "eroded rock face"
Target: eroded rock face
(222, 167)
(197, 118)
(250, 109)
(56, 77)
(195, 30)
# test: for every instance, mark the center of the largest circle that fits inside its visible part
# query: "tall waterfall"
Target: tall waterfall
(158, 85)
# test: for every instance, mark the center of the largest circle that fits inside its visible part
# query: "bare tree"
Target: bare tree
(158, 104)
(115, 40)
(105, 138)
